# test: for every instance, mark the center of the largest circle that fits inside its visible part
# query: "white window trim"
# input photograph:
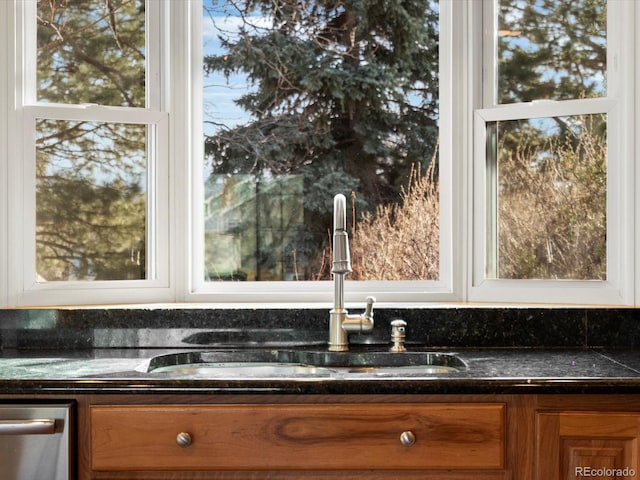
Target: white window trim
(636, 156)
(618, 288)
(23, 288)
(5, 40)
(459, 257)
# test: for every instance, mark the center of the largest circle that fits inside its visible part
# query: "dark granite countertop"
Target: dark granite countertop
(507, 350)
(490, 371)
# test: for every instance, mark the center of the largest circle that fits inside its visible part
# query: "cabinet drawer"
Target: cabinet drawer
(298, 437)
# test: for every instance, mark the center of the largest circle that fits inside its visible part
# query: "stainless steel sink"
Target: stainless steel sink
(244, 370)
(293, 363)
(225, 363)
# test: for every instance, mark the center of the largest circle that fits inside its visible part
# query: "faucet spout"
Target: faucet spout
(340, 322)
(341, 256)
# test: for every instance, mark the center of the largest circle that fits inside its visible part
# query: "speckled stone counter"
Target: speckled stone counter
(507, 350)
(489, 371)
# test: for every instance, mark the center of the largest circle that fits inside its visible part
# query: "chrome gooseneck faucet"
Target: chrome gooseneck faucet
(341, 324)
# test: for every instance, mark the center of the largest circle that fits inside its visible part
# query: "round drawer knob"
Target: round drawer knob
(407, 438)
(183, 439)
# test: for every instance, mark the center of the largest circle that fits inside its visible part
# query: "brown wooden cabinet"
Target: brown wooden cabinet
(314, 437)
(372, 437)
(596, 444)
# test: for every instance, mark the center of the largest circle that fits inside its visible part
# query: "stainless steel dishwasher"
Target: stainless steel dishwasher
(35, 441)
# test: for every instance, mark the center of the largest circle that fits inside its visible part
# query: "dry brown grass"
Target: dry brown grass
(401, 241)
(552, 215)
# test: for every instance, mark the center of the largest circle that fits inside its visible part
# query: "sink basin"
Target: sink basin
(380, 359)
(225, 363)
(291, 363)
(244, 369)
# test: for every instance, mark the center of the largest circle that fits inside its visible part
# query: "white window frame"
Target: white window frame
(175, 30)
(321, 292)
(23, 112)
(618, 288)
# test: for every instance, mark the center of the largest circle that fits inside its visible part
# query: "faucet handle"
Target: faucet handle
(368, 311)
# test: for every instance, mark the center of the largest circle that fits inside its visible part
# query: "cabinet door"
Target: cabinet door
(578, 445)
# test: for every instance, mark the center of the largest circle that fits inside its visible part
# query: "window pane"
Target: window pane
(551, 50)
(90, 201)
(91, 51)
(551, 196)
(306, 100)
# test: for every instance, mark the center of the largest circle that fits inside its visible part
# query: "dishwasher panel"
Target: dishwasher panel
(35, 441)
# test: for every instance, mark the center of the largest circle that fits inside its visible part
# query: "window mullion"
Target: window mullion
(489, 42)
(6, 36)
